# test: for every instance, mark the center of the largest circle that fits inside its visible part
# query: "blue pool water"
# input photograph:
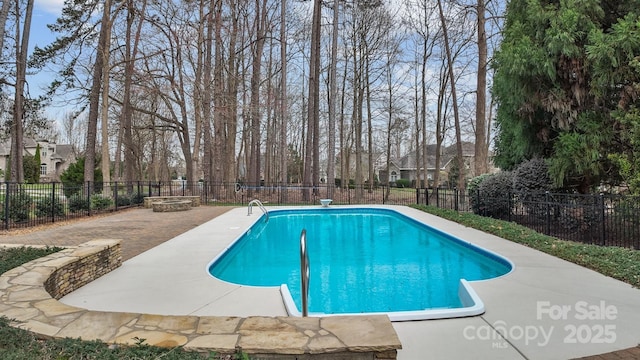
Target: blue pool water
(362, 260)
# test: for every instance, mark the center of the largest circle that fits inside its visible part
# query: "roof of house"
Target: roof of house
(448, 153)
(63, 151)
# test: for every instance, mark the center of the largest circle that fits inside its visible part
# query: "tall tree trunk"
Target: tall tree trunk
(369, 126)
(358, 93)
(344, 149)
(333, 98)
(17, 142)
(212, 26)
(199, 89)
(230, 97)
(94, 99)
(284, 113)
(311, 165)
(269, 142)
(454, 99)
(481, 151)
(130, 151)
(126, 118)
(104, 124)
(423, 119)
(418, 124)
(255, 140)
(440, 120)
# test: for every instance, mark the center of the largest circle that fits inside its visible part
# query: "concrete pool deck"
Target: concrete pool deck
(540, 306)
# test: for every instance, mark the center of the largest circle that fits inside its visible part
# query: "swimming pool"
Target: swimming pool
(363, 260)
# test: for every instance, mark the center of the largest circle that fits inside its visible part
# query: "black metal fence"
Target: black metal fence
(601, 219)
(610, 220)
(26, 205)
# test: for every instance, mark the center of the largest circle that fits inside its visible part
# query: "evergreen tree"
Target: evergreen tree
(557, 96)
(31, 169)
(38, 161)
(73, 178)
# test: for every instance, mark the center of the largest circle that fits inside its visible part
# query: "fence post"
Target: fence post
(547, 220)
(509, 205)
(602, 219)
(53, 202)
(88, 192)
(6, 206)
(455, 195)
(115, 193)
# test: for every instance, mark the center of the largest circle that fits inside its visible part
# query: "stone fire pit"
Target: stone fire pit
(171, 205)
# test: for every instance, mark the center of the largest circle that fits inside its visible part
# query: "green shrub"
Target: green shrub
(496, 196)
(137, 198)
(99, 202)
(14, 257)
(46, 206)
(530, 182)
(19, 206)
(123, 200)
(403, 183)
(628, 210)
(73, 178)
(472, 191)
(78, 203)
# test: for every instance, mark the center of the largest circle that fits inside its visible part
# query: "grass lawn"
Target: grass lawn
(619, 263)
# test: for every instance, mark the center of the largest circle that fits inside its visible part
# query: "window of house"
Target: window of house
(43, 169)
(43, 153)
(394, 176)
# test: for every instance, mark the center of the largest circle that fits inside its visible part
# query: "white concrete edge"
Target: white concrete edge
(289, 304)
(472, 305)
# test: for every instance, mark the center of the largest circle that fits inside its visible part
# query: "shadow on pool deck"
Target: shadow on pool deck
(142, 229)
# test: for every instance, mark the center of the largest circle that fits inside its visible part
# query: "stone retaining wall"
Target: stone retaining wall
(149, 200)
(85, 266)
(29, 293)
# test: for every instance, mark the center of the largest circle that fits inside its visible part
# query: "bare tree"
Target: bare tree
(333, 98)
(460, 158)
(260, 22)
(481, 150)
(284, 113)
(104, 123)
(22, 48)
(311, 163)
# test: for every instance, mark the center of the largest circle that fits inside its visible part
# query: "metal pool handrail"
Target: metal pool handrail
(257, 202)
(304, 272)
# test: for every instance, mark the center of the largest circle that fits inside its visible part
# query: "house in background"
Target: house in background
(54, 158)
(379, 162)
(406, 168)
